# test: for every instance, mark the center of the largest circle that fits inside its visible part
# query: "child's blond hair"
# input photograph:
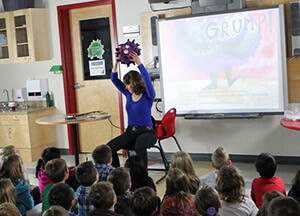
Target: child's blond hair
(8, 150)
(12, 167)
(9, 209)
(56, 211)
(230, 184)
(183, 161)
(220, 157)
(7, 192)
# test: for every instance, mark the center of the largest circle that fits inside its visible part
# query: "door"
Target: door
(92, 44)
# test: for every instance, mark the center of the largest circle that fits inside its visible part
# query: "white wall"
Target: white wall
(196, 136)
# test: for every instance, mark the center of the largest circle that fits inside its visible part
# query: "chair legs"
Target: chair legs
(165, 162)
(177, 143)
(163, 157)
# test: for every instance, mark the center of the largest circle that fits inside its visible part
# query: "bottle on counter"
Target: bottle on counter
(48, 100)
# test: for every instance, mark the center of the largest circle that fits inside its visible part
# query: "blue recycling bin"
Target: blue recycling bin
(10, 5)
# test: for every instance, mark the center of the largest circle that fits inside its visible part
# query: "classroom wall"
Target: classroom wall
(248, 137)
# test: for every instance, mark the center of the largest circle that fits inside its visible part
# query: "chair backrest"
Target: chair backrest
(166, 127)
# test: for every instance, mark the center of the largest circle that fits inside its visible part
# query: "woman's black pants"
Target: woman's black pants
(135, 138)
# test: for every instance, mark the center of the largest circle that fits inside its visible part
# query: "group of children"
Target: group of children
(99, 189)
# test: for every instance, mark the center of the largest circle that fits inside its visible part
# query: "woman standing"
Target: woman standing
(140, 94)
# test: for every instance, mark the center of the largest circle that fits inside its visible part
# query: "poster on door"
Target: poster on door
(96, 48)
(97, 67)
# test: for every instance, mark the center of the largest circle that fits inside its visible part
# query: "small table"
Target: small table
(60, 119)
(290, 124)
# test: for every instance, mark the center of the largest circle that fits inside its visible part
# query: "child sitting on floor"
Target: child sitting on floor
(144, 202)
(207, 202)
(102, 156)
(11, 150)
(58, 172)
(219, 158)
(56, 211)
(103, 197)
(62, 195)
(120, 179)
(266, 167)
(47, 155)
(138, 173)
(283, 206)
(7, 192)
(230, 185)
(9, 209)
(87, 175)
(183, 161)
(12, 168)
(178, 200)
(267, 197)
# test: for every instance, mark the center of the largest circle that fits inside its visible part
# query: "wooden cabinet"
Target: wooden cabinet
(6, 54)
(29, 138)
(23, 36)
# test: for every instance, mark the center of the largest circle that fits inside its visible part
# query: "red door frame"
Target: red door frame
(67, 59)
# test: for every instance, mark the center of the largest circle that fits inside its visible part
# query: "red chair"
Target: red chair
(164, 129)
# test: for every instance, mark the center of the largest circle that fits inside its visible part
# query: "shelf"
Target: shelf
(3, 45)
(2, 29)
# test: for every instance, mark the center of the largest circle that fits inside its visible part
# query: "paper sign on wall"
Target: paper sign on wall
(132, 30)
(97, 67)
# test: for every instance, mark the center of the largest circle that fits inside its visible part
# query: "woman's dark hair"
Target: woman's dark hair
(47, 155)
(135, 80)
(138, 172)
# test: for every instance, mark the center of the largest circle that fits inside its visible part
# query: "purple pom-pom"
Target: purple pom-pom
(123, 51)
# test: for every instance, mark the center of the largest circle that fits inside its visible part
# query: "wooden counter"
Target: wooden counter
(19, 129)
